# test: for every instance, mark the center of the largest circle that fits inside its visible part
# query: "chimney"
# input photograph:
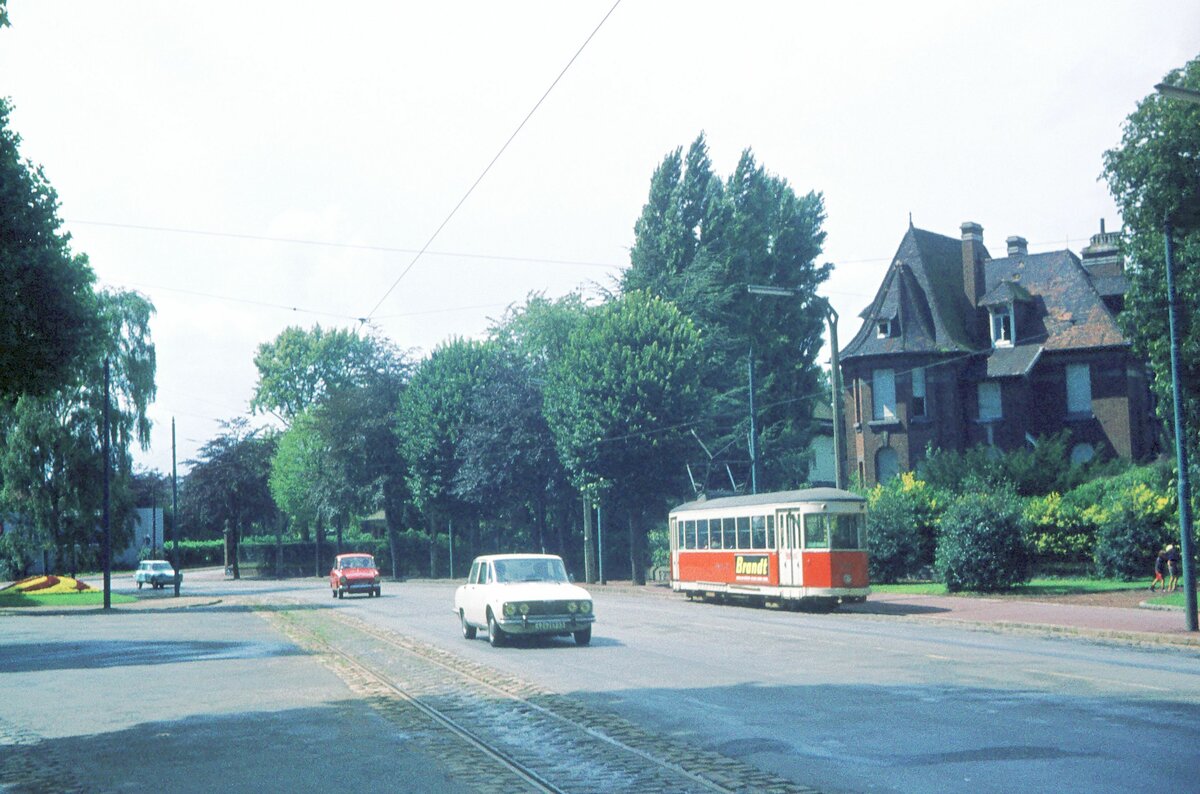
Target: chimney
(1103, 256)
(973, 257)
(1017, 246)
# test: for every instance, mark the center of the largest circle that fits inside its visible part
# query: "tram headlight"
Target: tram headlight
(510, 609)
(847, 579)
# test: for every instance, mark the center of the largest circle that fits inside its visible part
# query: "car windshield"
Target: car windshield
(358, 562)
(533, 569)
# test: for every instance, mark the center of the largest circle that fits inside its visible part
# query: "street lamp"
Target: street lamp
(1181, 460)
(835, 379)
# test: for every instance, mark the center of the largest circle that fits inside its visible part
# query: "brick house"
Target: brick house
(959, 349)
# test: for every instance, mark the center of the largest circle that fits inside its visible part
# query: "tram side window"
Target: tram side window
(728, 533)
(743, 532)
(771, 532)
(846, 531)
(758, 529)
(816, 532)
(702, 533)
(687, 532)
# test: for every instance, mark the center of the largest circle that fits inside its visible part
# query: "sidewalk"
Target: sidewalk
(1157, 626)
(181, 695)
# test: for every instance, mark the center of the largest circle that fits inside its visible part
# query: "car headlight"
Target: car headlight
(510, 609)
(375, 580)
(585, 607)
(572, 606)
(524, 608)
(342, 580)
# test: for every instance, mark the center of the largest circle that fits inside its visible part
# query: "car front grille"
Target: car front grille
(548, 608)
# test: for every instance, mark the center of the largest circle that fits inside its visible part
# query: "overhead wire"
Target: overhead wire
(488, 168)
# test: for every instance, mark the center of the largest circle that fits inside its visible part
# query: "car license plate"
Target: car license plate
(557, 625)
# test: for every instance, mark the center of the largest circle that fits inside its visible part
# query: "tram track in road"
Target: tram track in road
(495, 732)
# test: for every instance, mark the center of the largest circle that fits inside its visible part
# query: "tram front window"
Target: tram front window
(816, 532)
(847, 531)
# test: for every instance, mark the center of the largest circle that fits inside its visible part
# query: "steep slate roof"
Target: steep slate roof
(1068, 312)
(926, 277)
(1061, 308)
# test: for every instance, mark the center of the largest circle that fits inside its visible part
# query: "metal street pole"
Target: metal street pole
(178, 561)
(107, 550)
(753, 430)
(1185, 505)
(835, 385)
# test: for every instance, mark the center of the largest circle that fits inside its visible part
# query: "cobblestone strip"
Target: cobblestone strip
(29, 764)
(558, 736)
(463, 762)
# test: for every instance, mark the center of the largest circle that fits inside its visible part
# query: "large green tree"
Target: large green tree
(700, 242)
(1154, 176)
(430, 420)
(51, 463)
(620, 401)
(227, 490)
(300, 367)
(48, 315)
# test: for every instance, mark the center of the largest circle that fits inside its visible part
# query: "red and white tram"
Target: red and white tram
(794, 548)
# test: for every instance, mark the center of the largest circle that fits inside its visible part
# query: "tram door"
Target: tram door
(791, 568)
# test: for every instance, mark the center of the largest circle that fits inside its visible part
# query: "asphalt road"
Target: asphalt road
(840, 702)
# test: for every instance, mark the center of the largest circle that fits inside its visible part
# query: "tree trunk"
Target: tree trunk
(237, 537)
(341, 525)
(589, 552)
(432, 524)
(317, 548)
(280, 525)
(636, 538)
(393, 545)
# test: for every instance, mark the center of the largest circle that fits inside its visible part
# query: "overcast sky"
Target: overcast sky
(179, 135)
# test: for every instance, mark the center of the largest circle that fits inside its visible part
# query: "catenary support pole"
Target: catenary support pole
(107, 546)
(1181, 459)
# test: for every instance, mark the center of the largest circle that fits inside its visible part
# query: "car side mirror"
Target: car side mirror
(571, 578)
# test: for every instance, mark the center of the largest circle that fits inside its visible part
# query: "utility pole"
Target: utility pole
(1181, 457)
(107, 546)
(835, 385)
(177, 563)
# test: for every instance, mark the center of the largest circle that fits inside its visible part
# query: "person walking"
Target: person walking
(1160, 568)
(1174, 562)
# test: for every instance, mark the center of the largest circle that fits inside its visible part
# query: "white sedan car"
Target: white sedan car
(523, 594)
(156, 573)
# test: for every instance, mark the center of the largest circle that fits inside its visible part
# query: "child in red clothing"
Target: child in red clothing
(1160, 566)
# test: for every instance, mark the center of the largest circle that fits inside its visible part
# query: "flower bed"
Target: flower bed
(45, 585)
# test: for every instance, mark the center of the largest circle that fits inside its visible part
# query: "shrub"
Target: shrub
(983, 544)
(1058, 531)
(1134, 526)
(901, 527)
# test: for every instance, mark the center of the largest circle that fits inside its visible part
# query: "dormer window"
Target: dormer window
(884, 328)
(1002, 326)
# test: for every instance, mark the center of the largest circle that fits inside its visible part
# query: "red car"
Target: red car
(354, 573)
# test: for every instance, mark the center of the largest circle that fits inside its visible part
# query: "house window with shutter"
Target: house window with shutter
(883, 328)
(1079, 390)
(918, 392)
(883, 394)
(990, 408)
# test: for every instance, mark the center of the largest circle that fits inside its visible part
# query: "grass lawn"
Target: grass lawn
(1038, 586)
(89, 598)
